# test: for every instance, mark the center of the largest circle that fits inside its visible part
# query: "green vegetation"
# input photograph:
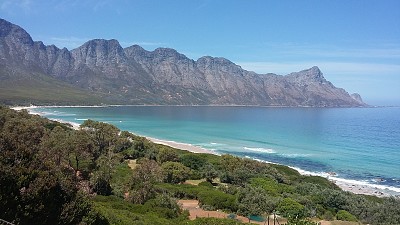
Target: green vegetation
(52, 174)
(345, 216)
(36, 88)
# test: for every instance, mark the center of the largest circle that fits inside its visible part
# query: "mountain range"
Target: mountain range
(102, 72)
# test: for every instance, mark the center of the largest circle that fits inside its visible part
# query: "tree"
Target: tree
(165, 205)
(82, 148)
(166, 154)
(124, 141)
(254, 201)
(230, 163)
(234, 171)
(144, 148)
(101, 177)
(55, 148)
(20, 138)
(209, 173)
(145, 176)
(175, 172)
(290, 208)
(193, 161)
(37, 186)
(102, 134)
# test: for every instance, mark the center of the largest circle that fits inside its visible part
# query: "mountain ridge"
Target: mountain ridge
(133, 75)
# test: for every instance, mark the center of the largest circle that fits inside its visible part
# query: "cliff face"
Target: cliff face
(135, 76)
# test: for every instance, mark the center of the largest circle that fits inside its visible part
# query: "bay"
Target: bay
(361, 144)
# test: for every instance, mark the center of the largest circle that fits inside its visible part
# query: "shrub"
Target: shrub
(290, 208)
(164, 206)
(193, 161)
(167, 154)
(271, 186)
(175, 172)
(206, 184)
(218, 200)
(345, 216)
(254, 201)
(323, 182)
(328, 215)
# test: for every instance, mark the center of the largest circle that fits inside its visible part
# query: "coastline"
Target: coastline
(181, 146)
(354, 186)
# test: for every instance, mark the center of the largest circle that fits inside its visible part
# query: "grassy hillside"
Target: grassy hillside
(23, 89)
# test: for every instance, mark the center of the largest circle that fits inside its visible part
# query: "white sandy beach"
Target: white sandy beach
(182, 146)
(355, 186)
(359, 187)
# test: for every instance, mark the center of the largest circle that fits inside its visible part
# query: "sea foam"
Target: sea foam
(263, 150)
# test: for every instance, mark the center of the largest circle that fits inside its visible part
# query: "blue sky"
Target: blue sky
(356, 43)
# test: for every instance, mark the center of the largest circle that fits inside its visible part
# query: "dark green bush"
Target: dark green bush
(345, 216)
(323, 182)
(206, 184)
(218, 200)
(193, 161)
(290, 208)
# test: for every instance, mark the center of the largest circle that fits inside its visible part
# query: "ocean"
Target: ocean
(356, 144)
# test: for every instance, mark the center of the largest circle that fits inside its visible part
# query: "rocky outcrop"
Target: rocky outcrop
(357, 97)
(135, 76)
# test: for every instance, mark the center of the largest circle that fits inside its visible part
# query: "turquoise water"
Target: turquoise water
(361, 144)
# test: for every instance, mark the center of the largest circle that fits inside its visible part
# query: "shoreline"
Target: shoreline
(212, 105)
(354, 186)
(181, 146)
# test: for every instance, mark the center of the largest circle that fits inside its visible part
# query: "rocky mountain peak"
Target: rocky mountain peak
(306, 76)
(101, 45)
(14, 33)
(167, 53)
(218, 63)
(99, 53)
(135, 50)
(214, 60)
(357, 97)
(312, 73)
(6, 28)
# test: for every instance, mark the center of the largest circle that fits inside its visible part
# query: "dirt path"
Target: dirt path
(195, 211)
